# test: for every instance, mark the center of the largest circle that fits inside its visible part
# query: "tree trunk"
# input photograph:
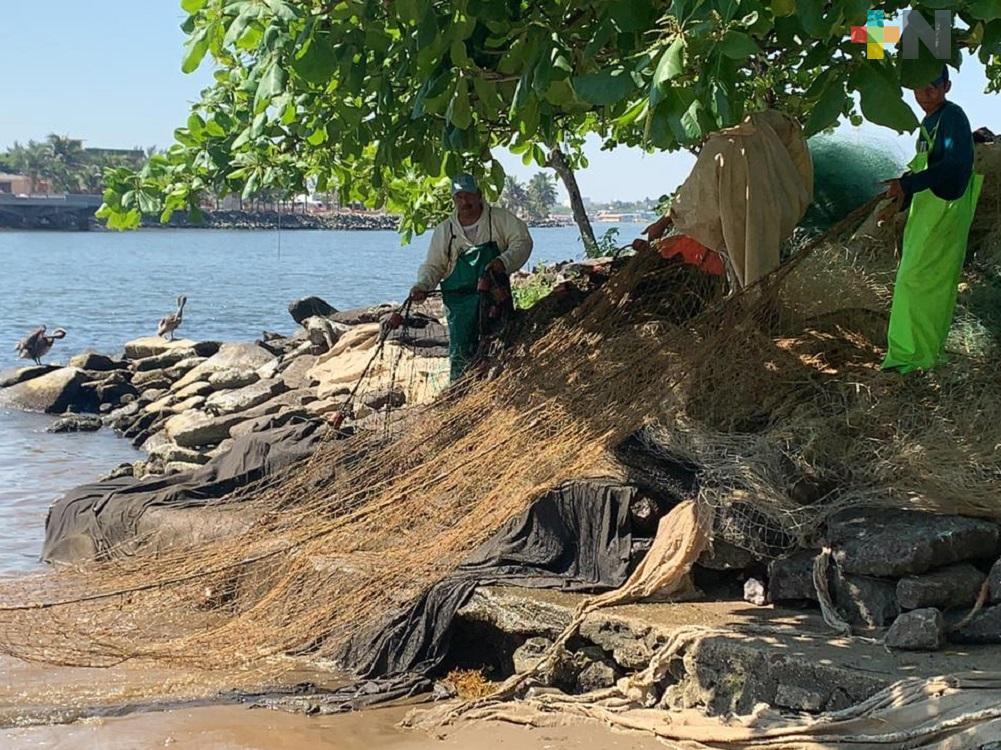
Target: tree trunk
(558, 161)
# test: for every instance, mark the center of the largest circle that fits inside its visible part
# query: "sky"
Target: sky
(109, 72)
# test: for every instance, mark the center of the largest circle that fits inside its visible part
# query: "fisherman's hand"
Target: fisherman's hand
(417, 294)
(640, 245)
(656, 230)
(894, 190)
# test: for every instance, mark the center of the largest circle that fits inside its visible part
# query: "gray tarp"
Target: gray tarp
(92, 519)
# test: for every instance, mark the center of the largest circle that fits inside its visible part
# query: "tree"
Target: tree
(541, 194)
(514, 197)
(384, 99)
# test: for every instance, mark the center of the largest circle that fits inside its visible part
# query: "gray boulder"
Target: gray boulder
(53, 393)
(358, 315)
(791, 578)
(308, 307)
(953, 586)
(920, 630)
(232, 377)
(96, 362)
(168, 452)
(201, 388)
(984, 628)
(75, 423)
(21, 374)
(240, 356)
(150, 379)
(994, 583)
(385, 397)
(163, 360)
(894, 543)
(528, 654)
(151, 346)
(192, 429)
(866, 602)
(295, 375)
(229, 402)
(597, 675)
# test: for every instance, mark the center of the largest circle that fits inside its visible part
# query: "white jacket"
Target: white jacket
(507, 230)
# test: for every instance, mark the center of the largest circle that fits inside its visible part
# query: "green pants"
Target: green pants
(462, 305)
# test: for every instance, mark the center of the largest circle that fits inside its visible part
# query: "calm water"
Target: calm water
(107, 288)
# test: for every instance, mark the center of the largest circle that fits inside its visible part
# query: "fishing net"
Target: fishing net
(774, 395)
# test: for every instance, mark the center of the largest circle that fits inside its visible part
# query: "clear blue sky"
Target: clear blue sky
(108, 71)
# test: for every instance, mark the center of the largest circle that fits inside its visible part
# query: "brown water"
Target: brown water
(233, 728)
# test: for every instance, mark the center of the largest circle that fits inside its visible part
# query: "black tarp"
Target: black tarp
(90, 520)
(574, 538)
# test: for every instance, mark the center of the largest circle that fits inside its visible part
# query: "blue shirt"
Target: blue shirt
(950, 163)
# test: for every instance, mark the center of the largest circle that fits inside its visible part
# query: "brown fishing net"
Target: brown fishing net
(775, 395)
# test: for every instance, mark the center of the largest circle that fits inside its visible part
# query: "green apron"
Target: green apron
(924, 294)
(462, 302)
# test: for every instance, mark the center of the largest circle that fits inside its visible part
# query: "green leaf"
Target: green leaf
(459, 113)
(458, 53)
(317, 62)
(738, 46)
(318, 136)
(672, 62)
(192, 6)
(810, 14)
(194, 51)
(604, 88)
(985, 10)
(272, 83)
(632, 15)
(828, 108)
(882, 102)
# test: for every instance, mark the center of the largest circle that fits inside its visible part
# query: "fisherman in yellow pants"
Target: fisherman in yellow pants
(940, 192)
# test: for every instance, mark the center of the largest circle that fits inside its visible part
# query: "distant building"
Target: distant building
(19, 184)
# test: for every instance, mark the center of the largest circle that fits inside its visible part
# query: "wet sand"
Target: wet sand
(239, 728)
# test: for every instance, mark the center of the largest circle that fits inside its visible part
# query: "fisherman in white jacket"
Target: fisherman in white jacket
(477, 241)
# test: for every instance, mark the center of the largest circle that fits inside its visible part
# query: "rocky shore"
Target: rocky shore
(915, 585)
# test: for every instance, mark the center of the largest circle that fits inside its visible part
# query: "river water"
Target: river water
(107, 288)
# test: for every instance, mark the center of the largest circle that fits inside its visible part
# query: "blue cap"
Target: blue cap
(464, 183)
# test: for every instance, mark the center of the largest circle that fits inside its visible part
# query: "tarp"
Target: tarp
(575, 538)
(91, 520)
(750, 186)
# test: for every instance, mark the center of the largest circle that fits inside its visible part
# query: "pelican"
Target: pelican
(37, 344)
(172, 322)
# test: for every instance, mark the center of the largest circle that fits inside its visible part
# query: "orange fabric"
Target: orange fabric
(692, 252)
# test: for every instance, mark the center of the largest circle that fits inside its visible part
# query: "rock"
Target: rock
(528, 654)
(984, 628)
(994, 583)
(867, 602)
(754, 592)
(192, 429)
(201, 388)
(169, 452)
(358, 315)
(240, 356)
(791, 578)
(597, 675)
(179, 467)
(22, 374)
(151, 346)
(150, 395)
(919, 630)
(160, 405)
(111, 390)
(296, 375)
(380, 399)
(164, 360)
(123, 470)
(175, 372)
(231, 378)
(894, 543)
(228, 402)
(725, 556)
(322, 407)
(150, 379)
(121, 416)
(153, 443)
(953, 586)
(207, 348)
(644, 515)
(307, 307)
(94, 361)
(54, 392)
(75, 423)
(798, 698)
(218, 450)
